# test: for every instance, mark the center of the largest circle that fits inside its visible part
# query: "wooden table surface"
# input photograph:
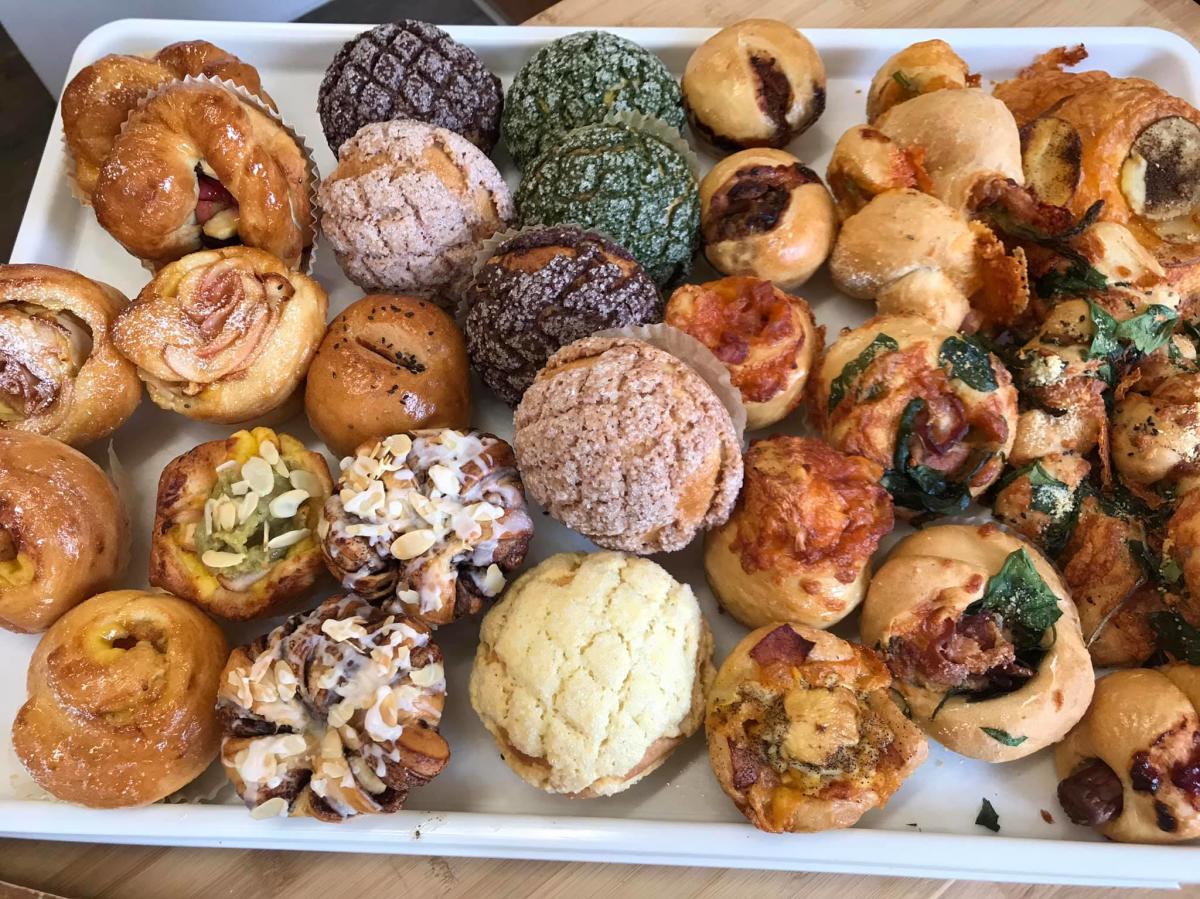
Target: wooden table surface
(131, 872)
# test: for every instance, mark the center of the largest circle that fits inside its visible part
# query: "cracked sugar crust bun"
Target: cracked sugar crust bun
(627, 445)
(409, 70)
(591, 671)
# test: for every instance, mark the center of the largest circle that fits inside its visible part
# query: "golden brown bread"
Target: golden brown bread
(224, 335)
(198, 162)
(387, 365)
(920, 68)
(98, 99)
(802, 733)
(122, 700)
(60, 373)
(64, 531)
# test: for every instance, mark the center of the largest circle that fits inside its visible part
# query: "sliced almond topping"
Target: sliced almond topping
(399, 445)
(291, 538)
(367, 530)
(225, 466)
(269, 451)
(257, 473)
(306, 481)
(281, 467)
(247, 506)
(366, 503)
(226, 515)
(216, 559)
(424, 507)
(239, 488)
(408, 597)
(493, 580)
(429, 675)
(485, 511)
(413, 544)
(275, 807)
(341, 630)
(208, 515)
(288, 504)
(292, 744)
(284, 673)
(444, 479)
(266, 533)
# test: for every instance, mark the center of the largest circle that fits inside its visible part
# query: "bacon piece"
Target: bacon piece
(971, 652)
(782, 645)
(744, 764)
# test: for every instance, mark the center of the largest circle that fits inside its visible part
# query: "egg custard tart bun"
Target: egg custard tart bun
(982, 639)
(224, 335)
(931, 406)
(235, 523)
(64, 531)
(803, 734)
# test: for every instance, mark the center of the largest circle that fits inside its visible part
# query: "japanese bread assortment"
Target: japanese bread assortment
(1032, 250)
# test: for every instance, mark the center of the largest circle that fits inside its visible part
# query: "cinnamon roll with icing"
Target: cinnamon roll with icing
(224, 335)
(428, 524)
(334, 713)
(60, 373)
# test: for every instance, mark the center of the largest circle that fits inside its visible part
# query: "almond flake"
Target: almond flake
(269, 451)
(485, 511)
(399, 445)
(257, 473)
(306, 481)
(208, 515)
(226, 515)
(413, 544)
(493, 580)
(247, 506)
(291, 538)
(239, 488)
(213, 558)
(444, 479)
(431, 675)
(225, 466)
(282, 469)
(343, 629)
(288, 504)
(275, 807)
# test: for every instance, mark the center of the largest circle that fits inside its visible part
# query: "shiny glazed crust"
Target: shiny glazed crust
(844, 687)
(64, 531)
(947, 567)
(388, 364)
(122, 695)
(105, 390)
(224, 335)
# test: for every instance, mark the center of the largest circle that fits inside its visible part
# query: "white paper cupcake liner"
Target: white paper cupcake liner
(659, 129)
(698, 357)
(211, 787)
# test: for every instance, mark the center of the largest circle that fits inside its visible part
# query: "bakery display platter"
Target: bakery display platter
(478, 807)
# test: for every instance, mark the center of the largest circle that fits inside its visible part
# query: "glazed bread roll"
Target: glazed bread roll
(799, 542)
(122, 700)
(100, 97)
(764, 213)
(60, 374)
(333, 714)
(757, 83)
(198, 164)
(591, 672)
(914, 255)
(982, 639)
(224, 335)
(235, 523)
(935, 410)
(64, 531)
(802, 733)
(765, 337)
(388, 364)
(920, 68)
(427, 524)
(1131, 767)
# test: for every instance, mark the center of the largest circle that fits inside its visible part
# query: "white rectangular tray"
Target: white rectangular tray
(478, 807)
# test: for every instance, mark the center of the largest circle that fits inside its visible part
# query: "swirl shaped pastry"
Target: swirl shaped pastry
(1131, 767)
(224, 335)
(333, 714)
(929, 405)
(234, 523)
(802, 733)
(765, 337)
(100, 97)
(920, 68)
(798, 544)
(60, 372)
(64, 531)
(1039, 500)
(122, 698)
(195, 165)
(982, 639)
(428, 523)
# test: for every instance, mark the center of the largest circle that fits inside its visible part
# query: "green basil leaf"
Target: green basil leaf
(920, 487)
(1175, 636)
(853, 369)
(1077, 279)
(1050, 496)
(1003, 736)
(905, 82)
(987, 817)
(1024, 602)
(1150, 329)
(1164, 571)
(969, 362)
(1104, 342)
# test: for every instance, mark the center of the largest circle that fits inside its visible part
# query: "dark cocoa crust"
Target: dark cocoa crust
(753, 200)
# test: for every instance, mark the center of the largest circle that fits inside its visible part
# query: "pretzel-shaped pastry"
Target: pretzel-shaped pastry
(198, 162)
(100, 97)
(122, 691)
(334, 713)
(224, 335)
(60, 373)
(64, 532)
(428, 524)
(802, 733)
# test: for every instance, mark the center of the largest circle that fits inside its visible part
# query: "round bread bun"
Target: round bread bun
(766, 338)
(593, 669)
(1131, 767)
(920, 68)
(799, 542)
(756, 83)
(766, 214)
(914, 614)
(122, 700)
(802, 733)
(866, 163)
(1154, 436)
(388, 364)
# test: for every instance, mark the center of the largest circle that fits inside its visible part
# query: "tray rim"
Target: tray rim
(604, 839)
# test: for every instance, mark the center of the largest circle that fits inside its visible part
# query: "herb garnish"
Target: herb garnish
(905, 82)
(1022, 599)
(920, 487)
(1146, 331)
(987, 817)
(1002, 736)
(1079, 277)
(1162, 570)
(837, 390)
(1176, 636)
(969, 362)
